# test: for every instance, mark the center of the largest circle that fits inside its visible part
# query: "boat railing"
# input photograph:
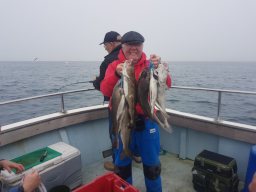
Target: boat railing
(220, 93)
(61, 95)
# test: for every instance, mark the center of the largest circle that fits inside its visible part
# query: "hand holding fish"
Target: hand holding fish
(155, 59)
(119, 69)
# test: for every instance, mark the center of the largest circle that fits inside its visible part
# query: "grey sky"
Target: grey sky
(177, 30)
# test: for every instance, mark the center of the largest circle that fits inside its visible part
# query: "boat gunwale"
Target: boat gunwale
(31, 127)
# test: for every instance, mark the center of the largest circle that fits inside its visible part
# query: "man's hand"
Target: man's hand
(31, 181)
(8, 165)
(119, 69)
(155, 60)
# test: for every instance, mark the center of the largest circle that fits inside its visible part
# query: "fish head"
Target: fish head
(129, 62)
(143, 84)
(145, 74)
(144, 79)
(129, 68)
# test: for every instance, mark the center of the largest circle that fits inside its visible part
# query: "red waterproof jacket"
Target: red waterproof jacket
(108, 83)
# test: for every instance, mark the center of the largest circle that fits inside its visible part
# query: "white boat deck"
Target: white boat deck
(176, 174)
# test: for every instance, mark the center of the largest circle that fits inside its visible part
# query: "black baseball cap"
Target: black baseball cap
(132, 37)
(111, 36)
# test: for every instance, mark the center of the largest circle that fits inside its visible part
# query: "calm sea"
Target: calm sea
(26, 79)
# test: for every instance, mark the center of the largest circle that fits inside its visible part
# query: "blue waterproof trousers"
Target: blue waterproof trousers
(146, 143)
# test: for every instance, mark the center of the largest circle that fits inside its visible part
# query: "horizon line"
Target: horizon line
(102, 60)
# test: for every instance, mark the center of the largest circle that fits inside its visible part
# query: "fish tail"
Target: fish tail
(161, 109)
(125, 153)
(163, 123)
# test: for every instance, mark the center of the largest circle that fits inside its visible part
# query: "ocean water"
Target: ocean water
(26, 79)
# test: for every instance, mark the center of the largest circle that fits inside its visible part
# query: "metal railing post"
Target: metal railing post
(62, 104)
(219, 106)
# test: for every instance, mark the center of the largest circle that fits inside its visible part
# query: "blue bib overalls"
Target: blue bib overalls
(146, 143)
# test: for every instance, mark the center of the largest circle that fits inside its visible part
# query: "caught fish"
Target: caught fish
(116, 98)
(125, 132)
(129, 84)
(153, 89)
(143, 91)
(150, 88)
(143, 94)
(162, 73)
(120, 118)
(123, 107)
(161, 87)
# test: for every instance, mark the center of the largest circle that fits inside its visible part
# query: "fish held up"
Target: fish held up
(123, 107)
(151, 95)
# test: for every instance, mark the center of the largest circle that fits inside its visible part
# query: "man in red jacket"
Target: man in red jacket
(145, 136)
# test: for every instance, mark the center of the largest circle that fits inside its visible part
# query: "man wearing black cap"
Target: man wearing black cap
(145, 135)
(112, 44)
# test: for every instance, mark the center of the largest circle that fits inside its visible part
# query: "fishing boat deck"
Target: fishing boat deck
(176, 173)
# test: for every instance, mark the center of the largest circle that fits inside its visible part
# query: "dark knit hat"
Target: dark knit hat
(111, 36)
(132, 37)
